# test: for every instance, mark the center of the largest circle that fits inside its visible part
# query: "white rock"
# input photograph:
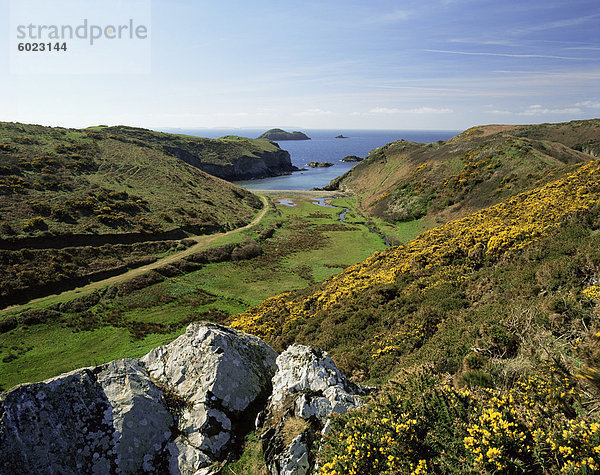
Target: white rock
(307, 385)
(116, 417)
(225, 372)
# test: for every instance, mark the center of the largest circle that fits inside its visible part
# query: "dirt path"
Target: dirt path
(201, 243)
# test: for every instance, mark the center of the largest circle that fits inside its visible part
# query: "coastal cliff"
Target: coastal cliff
(231, 157)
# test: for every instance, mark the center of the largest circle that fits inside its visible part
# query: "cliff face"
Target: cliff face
(230, 158)
(181, 408)
(258, 164)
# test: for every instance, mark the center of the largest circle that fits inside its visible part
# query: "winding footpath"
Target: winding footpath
(201, 243)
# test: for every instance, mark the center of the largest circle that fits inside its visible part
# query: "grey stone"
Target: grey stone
(221, 373)
(177, 409)
(307, 385)
(94, 419)
(142, 424)
(294, 459)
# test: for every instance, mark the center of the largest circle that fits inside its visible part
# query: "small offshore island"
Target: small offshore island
(319, 164)
(352, 158)
(280, 134)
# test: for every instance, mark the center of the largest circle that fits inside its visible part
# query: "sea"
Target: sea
(323, 147)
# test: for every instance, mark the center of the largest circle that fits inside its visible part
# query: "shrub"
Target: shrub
(246, 251)
(60, 213)
(422, 423)
(35, 317)
(40, 207)
(35, 224)
(8, 324)
(139, 282)
(6, 228)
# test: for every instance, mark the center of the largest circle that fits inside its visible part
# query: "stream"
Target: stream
(321, 202)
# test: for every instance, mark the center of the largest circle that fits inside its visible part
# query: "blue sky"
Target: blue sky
(439, 64)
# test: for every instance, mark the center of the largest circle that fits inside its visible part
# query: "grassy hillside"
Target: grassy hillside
(67, 181)
(230, 157)
(486, 331)
(79, 202)
(437, 182)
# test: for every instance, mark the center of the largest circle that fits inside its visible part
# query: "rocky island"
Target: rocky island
(319, 164)
(280, 134)
(352, 158)
(341, 136)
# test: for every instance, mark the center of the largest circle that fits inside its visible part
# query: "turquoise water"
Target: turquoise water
(323, 147)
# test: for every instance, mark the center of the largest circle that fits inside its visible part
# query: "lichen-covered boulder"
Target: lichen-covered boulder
(176, 410)
(223, 376)
(93, 420)
(307, 387)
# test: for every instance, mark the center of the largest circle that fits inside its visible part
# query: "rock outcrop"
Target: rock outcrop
(182, 408)
(319, 164)
(93, 420)
(352, 158)
(222, 376)
(177, 409)
(307, 389)
(247, 165)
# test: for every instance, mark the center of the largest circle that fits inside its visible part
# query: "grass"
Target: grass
(47, 350)
(395, 233)
(251, 461)
(301, 252)
(74, 187)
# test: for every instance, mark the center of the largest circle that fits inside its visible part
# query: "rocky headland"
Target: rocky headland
(352, 158)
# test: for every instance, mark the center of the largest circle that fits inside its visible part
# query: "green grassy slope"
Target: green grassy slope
(77, 202)
(404, 181)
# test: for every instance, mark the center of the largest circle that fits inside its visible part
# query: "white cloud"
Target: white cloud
(583, 48)
(417, 110)
(500, 112)
(384, 110)
(510, 55)
(483, 42)
(589, 104)
(540, 110)
(393, 16)
(313, 112)
(233, 114)
(565, 23)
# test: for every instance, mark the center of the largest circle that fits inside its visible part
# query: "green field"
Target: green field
(309, 245)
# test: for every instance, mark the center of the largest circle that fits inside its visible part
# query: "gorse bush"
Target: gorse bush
(498, 310)
(422, 423)
(444, 255)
